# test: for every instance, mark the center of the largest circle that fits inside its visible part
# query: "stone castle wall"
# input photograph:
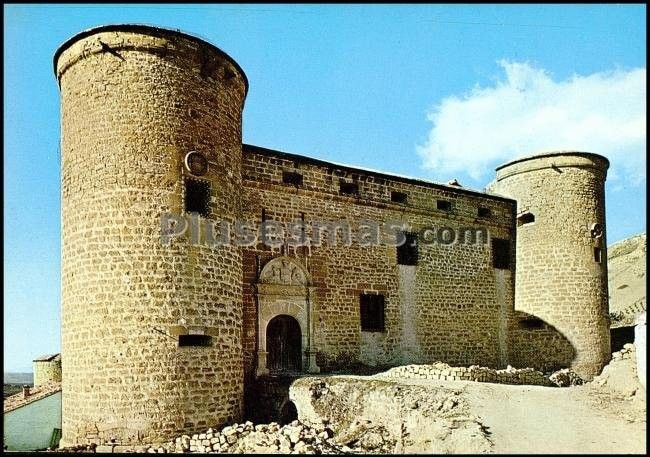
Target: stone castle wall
(47, 371)
(559, 279)
(428, 317)
(134, 101)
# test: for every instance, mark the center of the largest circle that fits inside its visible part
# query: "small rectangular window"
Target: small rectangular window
(194, 340)
(531, 323)
(484, 212)
(407, 253)
(291, 177)
(444, 205)
(500, 253)
(372, 313)
(598, 255)
(348, 188)
(197, 196)
(398, 197)
(525, 219)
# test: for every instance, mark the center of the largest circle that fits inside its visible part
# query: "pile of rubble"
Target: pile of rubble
(294, 438)
(628, 352)
(521, 376)
(620, 374)
(86, 448)
(566, 378)
(443, 371)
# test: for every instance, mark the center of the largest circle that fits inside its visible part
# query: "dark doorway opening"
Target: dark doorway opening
(620, 336)
(283, 344)
(288, 413)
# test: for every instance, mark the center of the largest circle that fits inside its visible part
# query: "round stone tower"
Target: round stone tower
(151, 331)
(561, 270)
(47, 369)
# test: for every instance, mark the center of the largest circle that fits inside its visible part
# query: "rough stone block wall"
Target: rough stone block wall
(47, 371)
(558, 277)
(134, 101)
(444, 372)
(452, 306)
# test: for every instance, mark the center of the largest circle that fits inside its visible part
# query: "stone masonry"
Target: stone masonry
(134, 100)
(561, 254)
(420, 300)
(47, 369)
(444, 372)
(162, 338)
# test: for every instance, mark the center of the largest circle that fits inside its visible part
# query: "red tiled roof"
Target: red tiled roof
(36, 393)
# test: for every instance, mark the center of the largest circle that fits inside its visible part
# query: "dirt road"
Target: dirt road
(530, 419)
(605, 416)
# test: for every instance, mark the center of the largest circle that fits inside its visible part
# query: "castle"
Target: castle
(160, 338)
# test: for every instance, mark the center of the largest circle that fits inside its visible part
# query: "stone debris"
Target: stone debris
(620, 374)
(362, 437)
(86, 448)
(628, 352)
(442, 371)
(380, 415)
(566, 378)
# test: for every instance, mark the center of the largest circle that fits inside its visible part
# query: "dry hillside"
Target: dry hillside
(627, 271)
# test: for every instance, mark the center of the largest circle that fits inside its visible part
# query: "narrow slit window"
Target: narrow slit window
(194, 340)
(500, 253)
(525, 219)
(484, 212)
(407, 253)
(197, 197)
(348, 188)
(444, 205)
(372, 312)
(291, 177)
(598, 255)
(398, 197)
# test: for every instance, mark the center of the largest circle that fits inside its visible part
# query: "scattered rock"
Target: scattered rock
(566, 378)
(442, 371)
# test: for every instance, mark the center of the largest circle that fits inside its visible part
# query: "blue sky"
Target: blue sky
(431, 91)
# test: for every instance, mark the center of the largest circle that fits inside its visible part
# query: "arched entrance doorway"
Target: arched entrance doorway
(283, 345)
(288, 413)
(285, 318)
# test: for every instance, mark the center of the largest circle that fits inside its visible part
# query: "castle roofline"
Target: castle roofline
(545, 154)
(48, 357)
(367, 171)
(145, 30)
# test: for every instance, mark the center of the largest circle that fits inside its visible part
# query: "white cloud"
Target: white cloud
(530, 112)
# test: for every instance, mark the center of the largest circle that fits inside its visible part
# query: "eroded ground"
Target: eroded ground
(381, 414)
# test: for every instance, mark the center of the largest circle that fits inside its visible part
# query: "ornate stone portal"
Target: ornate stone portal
(284, 289)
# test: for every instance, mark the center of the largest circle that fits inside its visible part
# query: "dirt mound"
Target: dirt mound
(620, 374)
(410, 417)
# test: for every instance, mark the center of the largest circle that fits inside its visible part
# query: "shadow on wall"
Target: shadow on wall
(537, 344)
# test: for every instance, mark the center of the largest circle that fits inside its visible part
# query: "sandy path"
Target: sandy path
(550, 420)
(529, 419)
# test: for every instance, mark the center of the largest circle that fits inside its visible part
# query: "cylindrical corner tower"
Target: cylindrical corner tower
(151, 333)
(47, 369)
(561, 274)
